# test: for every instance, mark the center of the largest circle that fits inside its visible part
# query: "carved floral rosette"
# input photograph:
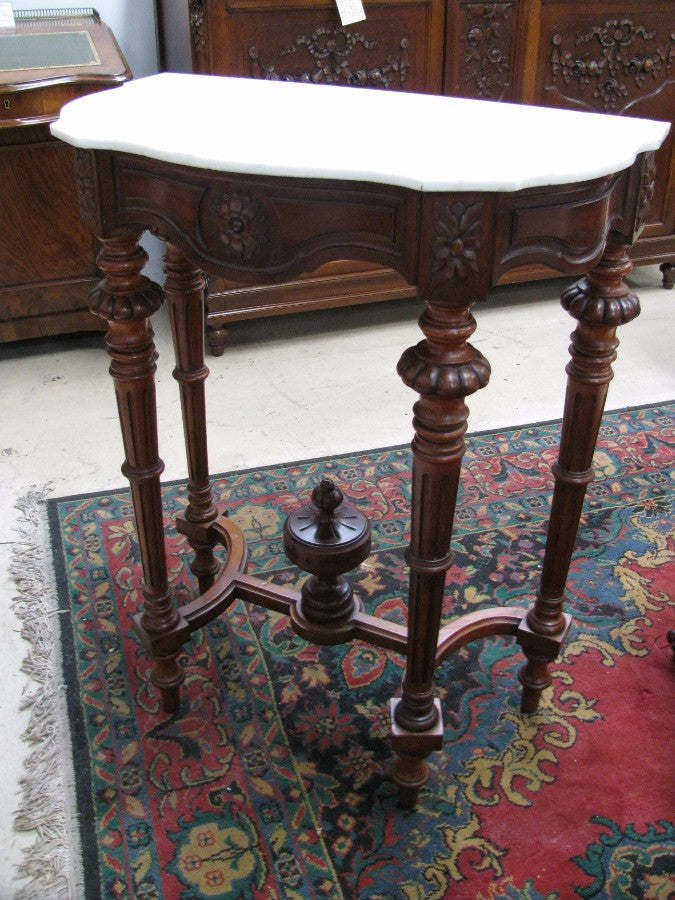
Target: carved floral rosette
(239, 226)
(456, 243)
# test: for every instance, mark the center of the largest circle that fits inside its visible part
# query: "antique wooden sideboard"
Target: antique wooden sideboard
(47, 256)
(614, 56)
(254, 203)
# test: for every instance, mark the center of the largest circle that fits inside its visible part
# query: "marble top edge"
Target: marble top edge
(355, 134)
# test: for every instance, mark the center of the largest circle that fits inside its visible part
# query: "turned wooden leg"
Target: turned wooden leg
(443, 369)
(668, 271)
(600, 303)
(184, 289)
(126, 299)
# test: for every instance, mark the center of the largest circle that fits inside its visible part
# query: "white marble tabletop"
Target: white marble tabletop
(418, 141)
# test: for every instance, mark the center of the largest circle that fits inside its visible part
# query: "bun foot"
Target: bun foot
(216, 336)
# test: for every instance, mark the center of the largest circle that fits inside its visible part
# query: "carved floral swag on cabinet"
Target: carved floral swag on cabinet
(612, 56)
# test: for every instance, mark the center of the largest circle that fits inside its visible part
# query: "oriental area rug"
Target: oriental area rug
(273, 778)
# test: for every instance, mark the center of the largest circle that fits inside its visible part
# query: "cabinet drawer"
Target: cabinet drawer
(38, 103)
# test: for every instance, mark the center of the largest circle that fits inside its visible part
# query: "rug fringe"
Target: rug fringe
(47, 808)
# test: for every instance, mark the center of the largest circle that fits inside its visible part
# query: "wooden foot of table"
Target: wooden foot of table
(168, 676)
(410, 770)
(540, 651)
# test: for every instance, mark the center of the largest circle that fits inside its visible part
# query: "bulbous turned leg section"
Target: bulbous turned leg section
(668, 272)
(326, 538)
(600, 303)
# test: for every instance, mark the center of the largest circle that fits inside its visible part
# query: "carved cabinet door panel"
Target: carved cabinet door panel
(398, 46)
(482, 49)
(618, 57)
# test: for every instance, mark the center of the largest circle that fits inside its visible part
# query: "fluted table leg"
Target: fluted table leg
(443, 369)
(184, 289)
(600, 302)
(127, 299)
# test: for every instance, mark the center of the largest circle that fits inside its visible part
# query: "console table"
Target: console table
(238, 193)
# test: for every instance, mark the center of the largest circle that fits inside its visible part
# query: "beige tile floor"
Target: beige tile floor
(286, 388)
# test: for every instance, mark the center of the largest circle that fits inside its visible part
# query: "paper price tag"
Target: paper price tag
(6, 16)
(350, 11)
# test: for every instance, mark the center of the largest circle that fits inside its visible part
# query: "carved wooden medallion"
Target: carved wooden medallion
(238, 226)
(456, 241)
(244, 225)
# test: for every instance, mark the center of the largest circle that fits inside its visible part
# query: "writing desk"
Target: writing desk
(210, 166)
(47, 255)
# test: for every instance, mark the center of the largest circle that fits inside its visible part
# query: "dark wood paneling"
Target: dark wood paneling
(612, 56)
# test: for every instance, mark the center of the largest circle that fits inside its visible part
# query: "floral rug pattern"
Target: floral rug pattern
(273, 778)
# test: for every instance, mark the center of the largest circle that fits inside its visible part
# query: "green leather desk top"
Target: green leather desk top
(49, 50)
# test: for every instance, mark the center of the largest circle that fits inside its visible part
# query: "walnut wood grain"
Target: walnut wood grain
(452, 247)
